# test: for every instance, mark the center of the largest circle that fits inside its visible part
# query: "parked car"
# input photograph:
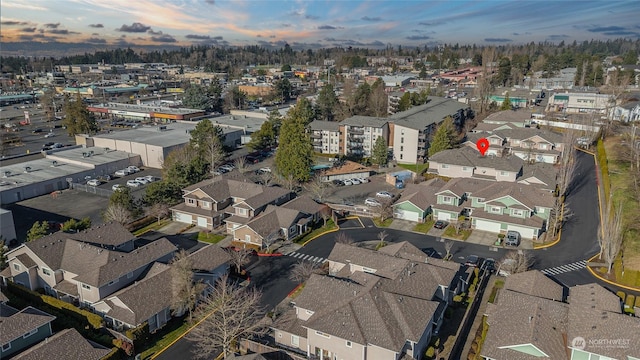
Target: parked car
(57, 145)
(372, 202)
(133, 169)
(227, 167)
(49, 135)
(472, 261)
(489, 265)
(49, 144)
(384, 194)
(142, 180)
(265, 169)
(512, 238)
(506, 266)
(222, 170)
(338, 182)
(105, 178)
(117, 187)
(93, 182)
(363, 180)
(133, 183)
(35, 131)
(355, 181)
(217, 173)
(347, 182)
(150, 178)
(440, 224)
(122, 172)
(251, 160)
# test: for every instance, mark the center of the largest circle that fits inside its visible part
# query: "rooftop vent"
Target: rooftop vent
(162, 128)
(106, 149)
(7, 174)
(27, 169)
(54, 163)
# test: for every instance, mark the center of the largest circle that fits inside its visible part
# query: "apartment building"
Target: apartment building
(579, 103)
(326, 137)
(359, 134)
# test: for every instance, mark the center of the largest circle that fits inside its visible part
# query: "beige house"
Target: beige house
(211, 202)
(466, 162)
(84, 267)
(275, 223)
(382, 305)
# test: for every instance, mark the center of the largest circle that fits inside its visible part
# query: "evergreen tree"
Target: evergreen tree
(196, 97)
(380, 151)
(282, 88)
(124, 198)
(405, 102)
(327, 103)
(3, 254)
(78, 119)
(38, 230)
(506, 103)
(295, 150)
(263, 138)
(443, 137)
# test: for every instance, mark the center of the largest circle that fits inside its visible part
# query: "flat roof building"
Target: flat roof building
(144, 112)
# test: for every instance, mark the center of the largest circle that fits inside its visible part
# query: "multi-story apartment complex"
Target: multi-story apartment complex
(326, 137)
(359, 134)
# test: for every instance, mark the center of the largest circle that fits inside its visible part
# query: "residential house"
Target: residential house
(20, 329)
(275, 223)
(466, 162)
(416, 200)
(67, 344)
(533, 320)
(359, 134)
(579, 103)
(83, 267)
(541, 174)
(347, 170)
(411, 129)
(628, 112)
(382, 306)
(506, 119)
(496, 142)
(495, 207)
(326, 137)
(533, 145)
(210, 202)
(307, 205)
(150, 299)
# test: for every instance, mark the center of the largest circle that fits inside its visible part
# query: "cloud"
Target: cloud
(622, 33)
(418, 37)
(210, 2)
(62, 32)
(52, 25)
(150, 31)
(164, 38)
(433, 23)
(606, 29)
(93, 40)
(519, 34)
(136, 27)
(97, 26)
(198, 37)
(28, 29)
(557, 37)
(498, 40)
(311, 17)
(326, 27)
(13, 23)
(7, 4)
(367, 18)
(285, 25)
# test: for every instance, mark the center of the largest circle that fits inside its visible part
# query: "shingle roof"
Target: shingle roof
(67, 344)
(466, 156)
(527, 133)
(267, 196)
(273, 219)
(349, 167)
(209, 257)
(529, 195)
(324, 125)
(534, 283)
(432, 112)
(369, 121)
(544, 172)
(304, 204)
(508, 116)
(14, 324)
(422, 195)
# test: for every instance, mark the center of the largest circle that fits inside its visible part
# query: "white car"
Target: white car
(133, 169)
(133, 183)
(150, 178)
(122, 172)
(372, 202)
(93, 182)
(142, 180)
(265, 169)
(355, 181)
(363, 180)
(347, 182)
(117, 187)
(384, 194)
(228, 167)
(50, 135)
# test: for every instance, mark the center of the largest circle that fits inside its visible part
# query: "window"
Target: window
(495, 209)
(242, 211)
(447, 199)
(113, 282)
(205, 204)
(29, 333)
(191, 201)
(517, 212)
(295, 340)
(542, 146)
(85, 286)
(504, 173)
(368, 270)
(402, 132)
(6, 346)
(444, 166)
(401, 140)
(16, 267)
(46, 271)
(309, 312)
(348, 343)
(466, 168)
(247, 238)
(401, 156)
(401, 148)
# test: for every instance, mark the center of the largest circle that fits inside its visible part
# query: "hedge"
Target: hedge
(140, 223)
(621, 295)
(630, 301)
(115, 354)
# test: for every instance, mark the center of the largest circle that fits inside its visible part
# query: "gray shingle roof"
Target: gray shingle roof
(67, 344)
(433, 112)
(304, 204)
(14, 323)
(369, 121)
(466, 156)
(529, 195)
(527, 133)
(324, 125)
(273, 219)
(544, 172)
(534, 283)
(209, 257)
(422, 195)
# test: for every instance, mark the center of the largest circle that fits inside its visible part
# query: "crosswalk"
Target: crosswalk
(565, 268)
(307, 257)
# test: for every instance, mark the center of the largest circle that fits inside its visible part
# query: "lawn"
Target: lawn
(416, 168)
(317, 232)
(385, 223)
(174, 328)
(450, 232)
(209, 237)
(499, 284)
(153, 226)
(424, 227)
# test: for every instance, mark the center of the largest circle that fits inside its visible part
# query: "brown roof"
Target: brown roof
(26, 260)
(348, 167)
(421, 195)
(268, 196)
(544, 172)
(273, 219)
(209, 258)
(67, 344)
(304, 204)
(14, 324)
(534, 283)
(466, 156)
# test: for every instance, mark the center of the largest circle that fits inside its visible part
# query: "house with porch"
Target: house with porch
(416, 200)
(382, 306)
(533, 145)
(466, 162)
(83, 268)
(212, 202)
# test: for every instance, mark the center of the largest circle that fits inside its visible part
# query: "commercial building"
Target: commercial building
(573, 103)
(117, 111)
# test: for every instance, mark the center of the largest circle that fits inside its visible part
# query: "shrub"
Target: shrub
(94, 320)
(621, 295)
(630, 301)
(140, 335)
(637, 304)
(115, 354)
(458, 298)
(140, 223)
(430, 353)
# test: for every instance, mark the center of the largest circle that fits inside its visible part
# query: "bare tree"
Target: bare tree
(117, 213)
(559, 215)
(266, 178)
(184, 291)
(159, 210)
(268, 240)
(239, 257)
(229, 313)
(215, 152)
(516, 262)
(386, 209)
(317, 187)
(241, 164)
(610, 233)
(448, 245)
(343, 238)
(568, 163)
(326, 214)
(381, 236)
(288, 182)
(302, 271)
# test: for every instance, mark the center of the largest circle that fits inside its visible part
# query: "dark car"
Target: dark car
(440, 224)
(472, 261)
(35, 131)
(252, 160)
(48, 144)
(489, 265)
(338, 182)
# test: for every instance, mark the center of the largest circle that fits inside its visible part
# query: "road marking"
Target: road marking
(565, 268)
(307, 257)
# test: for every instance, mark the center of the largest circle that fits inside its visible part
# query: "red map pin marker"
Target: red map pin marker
(483, 146)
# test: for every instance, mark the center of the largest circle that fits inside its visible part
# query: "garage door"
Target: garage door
(525, 232)
(485, 225)
(444, 216)
(406, 215)
(182, 217)
(202, 222)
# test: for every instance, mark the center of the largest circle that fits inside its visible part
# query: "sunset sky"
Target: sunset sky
(313, 24)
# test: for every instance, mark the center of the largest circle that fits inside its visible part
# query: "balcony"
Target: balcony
(356, 138)
(315, 135)
(356, 131)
